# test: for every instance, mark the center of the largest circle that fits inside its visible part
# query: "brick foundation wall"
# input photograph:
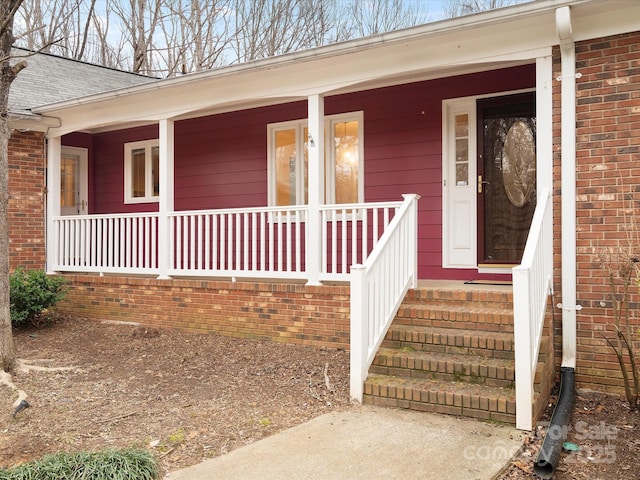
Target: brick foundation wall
(545, 375)
(27, 200)
(291, 313)
(608, 192)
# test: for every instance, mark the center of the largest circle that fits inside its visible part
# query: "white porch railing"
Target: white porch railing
(260, 242)
(349, 234)
(266, 242)
(532, 284)
(378, 288)
(107, 243)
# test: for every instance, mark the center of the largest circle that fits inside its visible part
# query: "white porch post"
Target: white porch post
(544, 118)
(166, 202)
(54, 153)
(316, 188)
(544, 142)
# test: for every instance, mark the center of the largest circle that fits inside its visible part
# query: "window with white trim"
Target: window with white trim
(141, 171)
(288, 160)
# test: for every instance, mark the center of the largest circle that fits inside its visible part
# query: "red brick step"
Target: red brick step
(411, 363)
(454, 398)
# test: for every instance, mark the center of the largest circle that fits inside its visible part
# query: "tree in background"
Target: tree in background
(8, 73)
(458, 8)
(171, 37)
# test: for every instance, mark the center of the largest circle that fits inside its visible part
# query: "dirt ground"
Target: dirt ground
(189, 397)
(606, 434)
(185, 396)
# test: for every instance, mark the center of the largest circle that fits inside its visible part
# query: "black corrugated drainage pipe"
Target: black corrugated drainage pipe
(558, 427)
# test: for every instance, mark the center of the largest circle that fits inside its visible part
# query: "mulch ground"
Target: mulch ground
(188, 397)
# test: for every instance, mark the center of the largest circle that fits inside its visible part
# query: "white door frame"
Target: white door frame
(459, 202)
(459, 212)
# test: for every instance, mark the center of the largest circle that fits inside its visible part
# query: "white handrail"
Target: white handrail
(532, 285)
(378, 288)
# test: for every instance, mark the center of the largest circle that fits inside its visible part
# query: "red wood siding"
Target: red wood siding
(108, 170)
(221, 160)
(403, 147)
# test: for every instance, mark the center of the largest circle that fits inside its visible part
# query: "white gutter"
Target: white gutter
(568, 185)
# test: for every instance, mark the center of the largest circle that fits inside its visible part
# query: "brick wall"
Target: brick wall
(608, 191)
(291, 313)
(26, 200)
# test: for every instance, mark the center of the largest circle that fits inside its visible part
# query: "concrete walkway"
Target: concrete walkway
(369, 443)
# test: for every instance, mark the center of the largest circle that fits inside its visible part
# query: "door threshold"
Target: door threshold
(500, 268)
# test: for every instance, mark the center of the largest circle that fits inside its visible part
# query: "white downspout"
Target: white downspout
(568, 185)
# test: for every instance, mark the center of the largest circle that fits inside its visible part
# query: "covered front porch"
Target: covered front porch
(239, 176)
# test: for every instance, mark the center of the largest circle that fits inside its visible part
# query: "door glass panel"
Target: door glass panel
(462, 150)
(509, 177)
(69, 171)
(346, 161)
(285, 143)
(519, 163)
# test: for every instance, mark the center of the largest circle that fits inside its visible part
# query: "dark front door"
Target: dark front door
(506, 177)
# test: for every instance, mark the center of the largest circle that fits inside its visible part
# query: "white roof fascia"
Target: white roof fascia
(514, 34)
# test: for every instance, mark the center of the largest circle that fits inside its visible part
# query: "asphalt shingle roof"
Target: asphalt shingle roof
(50, 79)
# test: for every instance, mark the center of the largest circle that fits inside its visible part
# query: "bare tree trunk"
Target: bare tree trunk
(193, 36)
(456, 8)
(7, 352)
(139, 21)
(79, 54)
(7, 75)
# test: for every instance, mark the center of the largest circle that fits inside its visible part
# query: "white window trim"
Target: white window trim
(299, 125)
(128, 181)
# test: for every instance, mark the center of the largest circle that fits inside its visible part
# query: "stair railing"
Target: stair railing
(532, 285)
(378, 288)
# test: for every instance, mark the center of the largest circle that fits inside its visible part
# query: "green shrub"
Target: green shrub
(33, 291)
(126, 464)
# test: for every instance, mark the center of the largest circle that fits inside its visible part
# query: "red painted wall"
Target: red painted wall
(221, 161)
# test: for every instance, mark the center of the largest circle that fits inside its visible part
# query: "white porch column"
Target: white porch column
(544, 118)
(316, 187)
(54, 153)
(167, 190)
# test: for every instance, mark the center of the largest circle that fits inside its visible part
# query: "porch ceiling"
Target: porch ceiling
(485, 41)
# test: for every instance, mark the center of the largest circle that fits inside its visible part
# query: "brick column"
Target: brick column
(26, 200)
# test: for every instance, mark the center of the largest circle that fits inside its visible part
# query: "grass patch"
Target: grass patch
(127, 464)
